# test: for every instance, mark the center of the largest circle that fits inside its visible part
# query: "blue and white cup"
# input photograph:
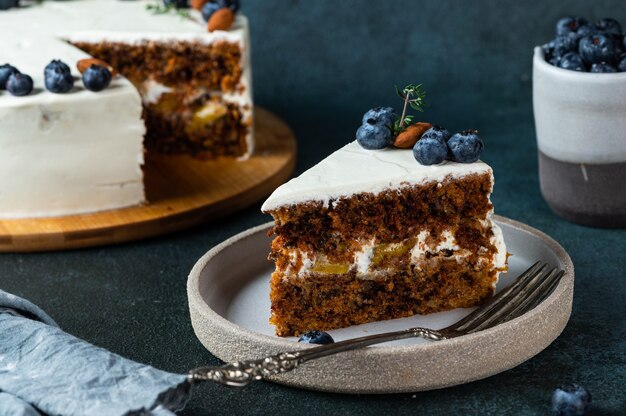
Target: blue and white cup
(580, 120)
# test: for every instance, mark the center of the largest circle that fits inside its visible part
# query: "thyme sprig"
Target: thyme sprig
(414, 97)
(158, 7)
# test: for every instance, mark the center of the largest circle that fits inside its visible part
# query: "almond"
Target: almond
(411, 135)
(83, 64)
(198, 4)
(221, 20)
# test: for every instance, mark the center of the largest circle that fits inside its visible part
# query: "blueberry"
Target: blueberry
(6, 71)
(619, 45)
(58, 78)
(572, 61)
(56, 65)
(569, 24)
(430, 150)
(566, 43)
(316, 337)
(603, 68)
(548, 50)
(8, 4)
(208, 9)
(437, 132)
(374, 136)
(96, 78)
(383, 116)
(586, 30)
(597, 48)
(621, 67)
(20, 84)
(231, 4)
(570, 400)
(179, 4)
(465, 147)
(59, 82)
(610, 27)
(555, 60)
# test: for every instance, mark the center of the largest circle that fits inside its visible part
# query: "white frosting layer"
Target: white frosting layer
(69, 153)
(447, 243)
(152, 91)
(63, 154)
(498, 241)
(363, 258)
(353, 169)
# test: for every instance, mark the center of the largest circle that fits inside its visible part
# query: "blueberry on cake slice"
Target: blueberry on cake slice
(376, 232)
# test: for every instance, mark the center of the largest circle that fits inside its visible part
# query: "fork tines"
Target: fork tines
(529, 290)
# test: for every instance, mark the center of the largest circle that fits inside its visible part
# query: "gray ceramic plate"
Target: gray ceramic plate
(228, 291)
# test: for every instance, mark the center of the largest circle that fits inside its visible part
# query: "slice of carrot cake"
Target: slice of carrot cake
(372, 235)
(369, 235)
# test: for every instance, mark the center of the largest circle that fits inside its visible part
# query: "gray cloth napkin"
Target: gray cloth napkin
(45, 371)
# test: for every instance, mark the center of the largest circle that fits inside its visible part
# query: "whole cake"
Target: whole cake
(184, 88)
(370, 234)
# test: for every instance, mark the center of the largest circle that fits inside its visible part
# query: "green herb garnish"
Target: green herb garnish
(159, 7)
(413, 96)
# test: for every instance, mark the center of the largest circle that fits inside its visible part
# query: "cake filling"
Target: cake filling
(372, 260)
(187, 91)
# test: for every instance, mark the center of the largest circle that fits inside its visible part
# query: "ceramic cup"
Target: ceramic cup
(580, 120)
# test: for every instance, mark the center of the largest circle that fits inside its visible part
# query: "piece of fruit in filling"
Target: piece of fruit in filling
(206, 115)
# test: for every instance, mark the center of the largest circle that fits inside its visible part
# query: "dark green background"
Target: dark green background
(320, 65)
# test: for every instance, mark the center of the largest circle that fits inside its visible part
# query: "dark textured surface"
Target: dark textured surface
(320, 65)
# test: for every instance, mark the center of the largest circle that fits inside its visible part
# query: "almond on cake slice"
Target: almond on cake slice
(222, 19)
(407, 138)
(198, 4)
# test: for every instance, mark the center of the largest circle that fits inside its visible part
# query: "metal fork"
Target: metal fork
(528, 291)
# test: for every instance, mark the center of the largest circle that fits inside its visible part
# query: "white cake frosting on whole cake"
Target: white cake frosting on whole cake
(80, 152)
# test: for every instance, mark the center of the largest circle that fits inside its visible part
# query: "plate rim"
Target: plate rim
(285, 344)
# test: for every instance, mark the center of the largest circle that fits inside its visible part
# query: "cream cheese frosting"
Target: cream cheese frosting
(63, 154)
(353, 169)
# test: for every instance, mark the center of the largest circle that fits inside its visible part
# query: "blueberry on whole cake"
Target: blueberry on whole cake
(396, 223)
(88, 86)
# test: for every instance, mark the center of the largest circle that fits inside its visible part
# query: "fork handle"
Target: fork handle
(242, 373)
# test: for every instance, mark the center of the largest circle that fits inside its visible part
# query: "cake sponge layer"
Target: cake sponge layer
(325, 302)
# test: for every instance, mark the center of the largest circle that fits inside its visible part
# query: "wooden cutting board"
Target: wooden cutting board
(181, 192)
